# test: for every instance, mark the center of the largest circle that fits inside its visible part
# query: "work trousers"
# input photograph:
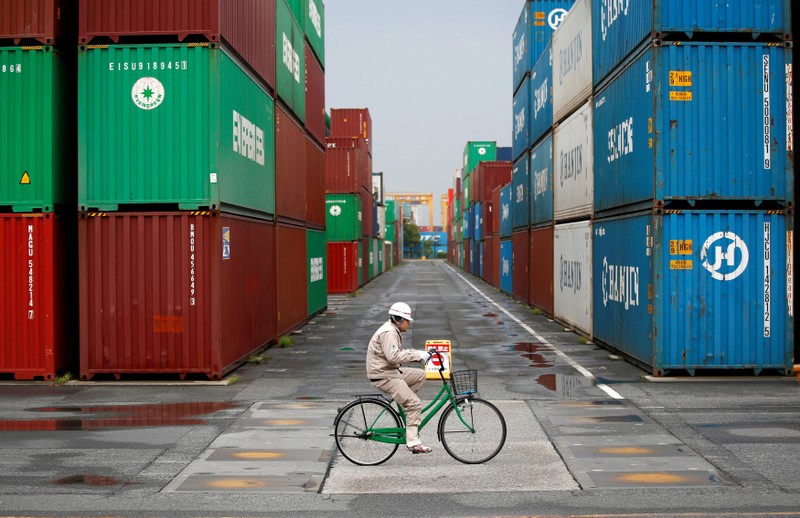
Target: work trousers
(404, 391)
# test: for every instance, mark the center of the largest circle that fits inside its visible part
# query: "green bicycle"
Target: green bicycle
(369, 429)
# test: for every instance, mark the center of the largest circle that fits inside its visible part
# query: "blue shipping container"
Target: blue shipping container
(534, 28)
(686, 122)
(504, 154)
(477, 219)
(506, 214)
(541, 91)
(506, 266)
(619, 27)
(521, 111)
(466, 225)
(477, 254)
(694, 290)
(520, 181)
(542, 182)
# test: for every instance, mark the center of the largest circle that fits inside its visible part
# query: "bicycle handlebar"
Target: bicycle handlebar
(433, 351)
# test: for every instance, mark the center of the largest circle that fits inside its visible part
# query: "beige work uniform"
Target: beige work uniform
(385, 354)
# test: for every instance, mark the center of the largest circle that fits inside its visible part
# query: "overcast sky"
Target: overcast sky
(434, 75)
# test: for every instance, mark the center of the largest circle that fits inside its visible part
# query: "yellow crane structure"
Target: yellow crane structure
(445, 204)
(414, 199)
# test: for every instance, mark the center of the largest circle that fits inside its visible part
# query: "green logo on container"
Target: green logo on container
(147, 93)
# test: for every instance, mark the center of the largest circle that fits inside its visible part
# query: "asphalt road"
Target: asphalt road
(588, 434)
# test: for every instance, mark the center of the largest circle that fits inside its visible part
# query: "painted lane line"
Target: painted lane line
(572, 363)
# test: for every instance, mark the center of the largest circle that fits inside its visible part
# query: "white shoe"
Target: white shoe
(418, 448)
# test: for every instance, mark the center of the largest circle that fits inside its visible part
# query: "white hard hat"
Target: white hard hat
(401, 309)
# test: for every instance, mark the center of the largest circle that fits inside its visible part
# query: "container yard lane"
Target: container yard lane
(585, 436)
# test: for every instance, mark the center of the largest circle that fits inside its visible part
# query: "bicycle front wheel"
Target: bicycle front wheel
(473, 434)
(357, 425)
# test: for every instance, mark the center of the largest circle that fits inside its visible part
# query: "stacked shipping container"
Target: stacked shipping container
(652, 180)
(200, 174)
(356, 215)
(37, 195)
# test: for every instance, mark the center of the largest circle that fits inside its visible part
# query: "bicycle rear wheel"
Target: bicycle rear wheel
(354, 431)
(486, 437)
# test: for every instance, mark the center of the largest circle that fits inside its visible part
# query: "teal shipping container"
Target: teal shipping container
(180, 125)
(290, 81)
(474, 152)
(37, 160)
(343, 217)
(692, 290)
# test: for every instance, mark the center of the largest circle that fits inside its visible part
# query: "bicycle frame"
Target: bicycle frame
(398, 435)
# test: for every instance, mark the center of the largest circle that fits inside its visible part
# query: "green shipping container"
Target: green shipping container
(361, 280)
(466, 188)
(343, 217)
(390, 233)
(290, 80)
(378, 247)
(37, 157)
(317, 250)
(391, 211)
(389, 256)
(173, 124)
(477, 151)
(315, 29)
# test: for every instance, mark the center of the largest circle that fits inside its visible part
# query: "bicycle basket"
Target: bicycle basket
(464, 382)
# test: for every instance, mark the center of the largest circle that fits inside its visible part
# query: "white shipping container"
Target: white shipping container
(381, 222)
(572, 272)
(572, 60)
(573, 166)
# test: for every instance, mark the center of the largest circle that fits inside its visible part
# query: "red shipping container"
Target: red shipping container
(541, 270)
(491, 175)
(488, 218)
(493, 244)
(520, 246)
(290, 167)
(367, 214)
(345, 164)
(38, 20)
(292, 278)
(457, 193)
(315, 97)
(37, 273)
(352, 122)
(488, 266)
(343, 269)
(248, 26)
(315, 185)
(174, 292)
(473, 188)
(366, 269)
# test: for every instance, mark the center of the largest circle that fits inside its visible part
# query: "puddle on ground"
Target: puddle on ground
(571, 387)
(490, 315)
(531, 351)
(119, 416)
(86, 480)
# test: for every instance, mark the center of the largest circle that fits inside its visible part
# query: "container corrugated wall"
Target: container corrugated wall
(541, 189)
(344, 272)
(521, 264)
(573, 166)
(344, 217)
(197, 132)
(491, 252)
(37, 312)
(617, 32)
(315, 28)
(174, 293)
(506, 210)
(37, 160)
(520, 177)
(248, 26)
(686, 122)
(345, 163)
(290, 167)
(316, 252)
(292, 278)
(541, 268)
(315, 184)
(506, 266)
(521, 111)
(572, 268)
(533, 31)
(478, 151)
(492, 175)
(290, 60)
(541, 96)
(39, 20)
(572, 60)
(695, 290)
(315, 96)
(353, 122)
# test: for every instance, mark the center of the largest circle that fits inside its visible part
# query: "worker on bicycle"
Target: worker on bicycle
(385, 354)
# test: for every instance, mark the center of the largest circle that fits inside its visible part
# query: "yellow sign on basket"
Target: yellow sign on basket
(432, 367)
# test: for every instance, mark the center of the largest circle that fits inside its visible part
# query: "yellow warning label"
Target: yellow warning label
(680, 264)
(680, 78)
(680, 247)
(26, 179)
(680, 96)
